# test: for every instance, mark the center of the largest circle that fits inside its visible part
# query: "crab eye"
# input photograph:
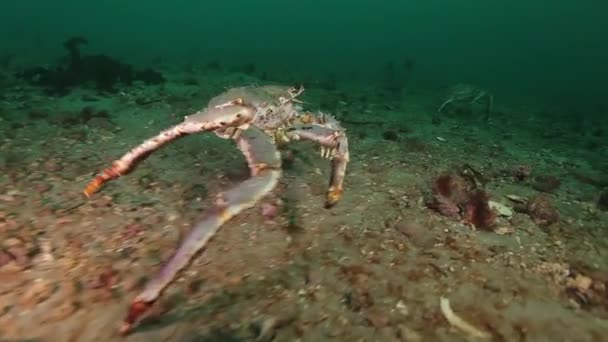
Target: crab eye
(222, 123)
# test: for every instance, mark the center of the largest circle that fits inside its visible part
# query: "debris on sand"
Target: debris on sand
(458, 322)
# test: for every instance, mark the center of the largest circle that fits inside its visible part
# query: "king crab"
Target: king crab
(257, 119)
(469, 93)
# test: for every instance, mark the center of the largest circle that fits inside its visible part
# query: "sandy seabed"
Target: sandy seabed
(373, 268)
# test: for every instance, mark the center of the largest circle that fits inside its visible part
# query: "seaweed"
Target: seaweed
(103, 71)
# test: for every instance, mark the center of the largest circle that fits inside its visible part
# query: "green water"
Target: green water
(549, 52)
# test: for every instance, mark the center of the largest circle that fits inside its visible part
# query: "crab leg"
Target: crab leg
(334, 145)
(231, 114)
(489, 106)
(448, 101)
(265, 163)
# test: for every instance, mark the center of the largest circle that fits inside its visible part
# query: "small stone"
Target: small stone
(408, 335)
(36, 293)
(12, 242)
(234, 280)
(377, 318)
(517, 199)
(269, 211)
(12, 267)
(19, 254)
(269, 326)
(402, 308)
(52, 165)
(502, 209)
(5, 258)
(387, 334)
(61, 312)
(580, 282)
(132, 282)
(107, 279)
(42, 187)
(317, 189)
(390, 135)
(504, 230)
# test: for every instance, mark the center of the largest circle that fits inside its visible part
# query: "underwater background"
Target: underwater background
(553, 52)
(442, 176)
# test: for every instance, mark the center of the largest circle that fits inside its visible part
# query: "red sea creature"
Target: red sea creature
(449, 193)
(477, 211)
(456, 197)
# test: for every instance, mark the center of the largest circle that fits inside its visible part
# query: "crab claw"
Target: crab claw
(136, 310)
(233, 114)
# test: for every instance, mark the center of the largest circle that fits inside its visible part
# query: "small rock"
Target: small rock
(504, 230)
(402, 308)
(542, 212)
(132, 230)
(19, 254)
(268, 327)
(580, 282)
(387, 334)
(317, 189)
(417, 234)
(61, 312)
(53, 165)
(234, 280)
(12, 242)
(269, 211)
(376, 168)
(12, 267)
(105, 280)
(36, 293)
(502, 209)
(132, 282)
(408, 335)
(546, 183)
(517, 199)
(5, 258)
(377, 318)
(41, 188)
(390, 135)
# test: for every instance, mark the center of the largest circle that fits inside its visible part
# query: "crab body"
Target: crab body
(257, 119)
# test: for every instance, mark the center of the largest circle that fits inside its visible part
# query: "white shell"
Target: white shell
(502, 209)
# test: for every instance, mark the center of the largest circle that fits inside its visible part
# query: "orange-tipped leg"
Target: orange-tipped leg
(334, 145)
(100, 180)
(137, 309)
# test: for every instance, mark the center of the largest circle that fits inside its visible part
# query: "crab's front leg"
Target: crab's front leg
(229, 115)
(265, 163)
(489, 106)
(334, 145)
(445, 103)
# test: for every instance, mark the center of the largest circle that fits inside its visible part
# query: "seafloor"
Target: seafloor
(373, 268)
